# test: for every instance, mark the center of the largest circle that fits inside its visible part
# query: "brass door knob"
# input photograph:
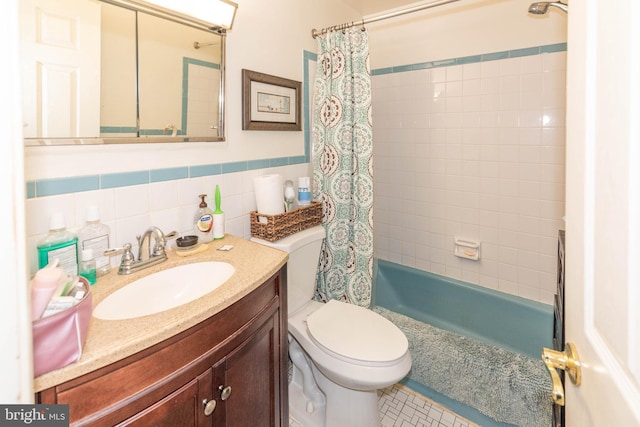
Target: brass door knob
(566, 360)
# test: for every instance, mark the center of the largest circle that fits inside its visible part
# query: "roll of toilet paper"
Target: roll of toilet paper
(269, 194)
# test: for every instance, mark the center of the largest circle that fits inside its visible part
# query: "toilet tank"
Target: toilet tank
(303, 248)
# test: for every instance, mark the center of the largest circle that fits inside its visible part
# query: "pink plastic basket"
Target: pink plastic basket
(58, 339)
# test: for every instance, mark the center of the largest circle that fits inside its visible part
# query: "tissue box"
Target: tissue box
(58, 339)
(275, 227)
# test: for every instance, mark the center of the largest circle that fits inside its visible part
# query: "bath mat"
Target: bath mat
(506, 386)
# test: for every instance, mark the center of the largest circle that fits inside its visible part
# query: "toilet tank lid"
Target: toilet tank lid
(296, 240)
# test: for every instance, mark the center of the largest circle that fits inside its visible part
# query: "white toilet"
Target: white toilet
(341, 353)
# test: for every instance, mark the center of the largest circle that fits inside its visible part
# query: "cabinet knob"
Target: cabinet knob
(225, 392)
(209, 406)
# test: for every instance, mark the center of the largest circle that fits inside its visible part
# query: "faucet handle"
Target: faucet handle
(116, 251)
(160, 243)
(127, 256)
(167, 237)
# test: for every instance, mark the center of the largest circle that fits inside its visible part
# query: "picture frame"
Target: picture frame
(270, 102)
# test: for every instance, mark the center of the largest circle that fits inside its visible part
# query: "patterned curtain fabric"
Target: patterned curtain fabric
(343, 166)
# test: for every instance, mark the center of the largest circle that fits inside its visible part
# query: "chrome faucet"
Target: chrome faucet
(145, 250)
(148, 254)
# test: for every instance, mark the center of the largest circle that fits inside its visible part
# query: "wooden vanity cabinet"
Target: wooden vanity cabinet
(230, 370)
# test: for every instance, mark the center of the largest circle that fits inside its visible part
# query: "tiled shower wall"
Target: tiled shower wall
(473, 150)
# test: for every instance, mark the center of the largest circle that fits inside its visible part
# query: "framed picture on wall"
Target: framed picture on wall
(270, 102)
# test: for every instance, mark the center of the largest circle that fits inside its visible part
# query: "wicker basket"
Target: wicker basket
(275, 227)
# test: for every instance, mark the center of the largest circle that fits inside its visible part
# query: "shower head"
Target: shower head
(542, 7)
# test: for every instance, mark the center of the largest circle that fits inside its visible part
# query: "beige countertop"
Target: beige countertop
(111, 340)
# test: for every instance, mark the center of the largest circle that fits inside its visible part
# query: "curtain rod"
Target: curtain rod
(315, 33)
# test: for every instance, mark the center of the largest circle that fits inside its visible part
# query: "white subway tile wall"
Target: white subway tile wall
(473, 151)
(170, 205)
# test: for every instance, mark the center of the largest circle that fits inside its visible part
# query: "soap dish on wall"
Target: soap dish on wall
(469, 249)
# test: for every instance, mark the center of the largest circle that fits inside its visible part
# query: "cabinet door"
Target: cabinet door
(246, 382)
(184, 407)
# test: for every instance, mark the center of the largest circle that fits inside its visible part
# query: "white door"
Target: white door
(603, 211)
(60, 65)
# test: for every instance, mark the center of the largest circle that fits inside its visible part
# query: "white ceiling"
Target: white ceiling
(374, 7)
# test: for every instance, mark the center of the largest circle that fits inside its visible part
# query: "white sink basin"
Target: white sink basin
(164, 290)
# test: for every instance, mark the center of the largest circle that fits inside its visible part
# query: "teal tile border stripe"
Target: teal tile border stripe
(76, 184)
(114, 180)
(119, 129)
(493, 56)
(57, 186)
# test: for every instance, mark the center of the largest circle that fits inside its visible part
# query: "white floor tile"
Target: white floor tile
(402, 407)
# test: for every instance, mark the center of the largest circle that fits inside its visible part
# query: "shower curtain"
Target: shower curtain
(343, 166)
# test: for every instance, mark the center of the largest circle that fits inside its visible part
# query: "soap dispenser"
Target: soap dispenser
(203, 221)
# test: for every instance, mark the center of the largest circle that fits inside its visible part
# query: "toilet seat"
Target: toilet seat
(356, 334)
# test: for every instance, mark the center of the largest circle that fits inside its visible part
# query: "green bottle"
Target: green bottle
(60, 244)
(88, 266)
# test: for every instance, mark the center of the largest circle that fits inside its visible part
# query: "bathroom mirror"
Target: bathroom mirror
(100, 73)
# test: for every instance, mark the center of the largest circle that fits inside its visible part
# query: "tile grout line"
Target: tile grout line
(402, 407)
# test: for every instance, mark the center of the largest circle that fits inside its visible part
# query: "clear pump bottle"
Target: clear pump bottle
(95, 236)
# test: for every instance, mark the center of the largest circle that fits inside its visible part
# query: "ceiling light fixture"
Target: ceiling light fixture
(216, 15)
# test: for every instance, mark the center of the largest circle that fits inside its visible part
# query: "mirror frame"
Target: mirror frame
(180, 19)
